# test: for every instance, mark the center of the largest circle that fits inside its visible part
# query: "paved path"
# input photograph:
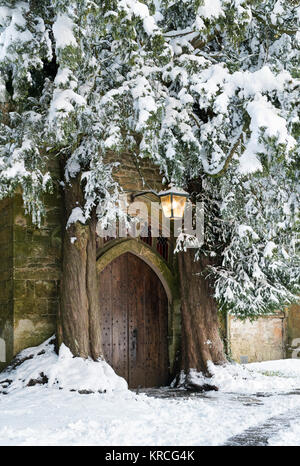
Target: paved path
(254, 436)
(259, 435)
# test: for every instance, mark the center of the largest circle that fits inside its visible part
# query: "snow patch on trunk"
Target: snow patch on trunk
(77, 215)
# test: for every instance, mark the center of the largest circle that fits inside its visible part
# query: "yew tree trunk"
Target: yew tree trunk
(201, 341)
(79, 316)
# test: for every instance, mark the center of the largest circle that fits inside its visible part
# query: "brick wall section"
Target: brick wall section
(6, 281)
(260, 340)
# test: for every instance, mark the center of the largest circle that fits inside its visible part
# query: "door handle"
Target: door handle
(134, 339)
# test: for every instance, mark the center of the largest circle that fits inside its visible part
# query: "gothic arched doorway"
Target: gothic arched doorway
(134, 310)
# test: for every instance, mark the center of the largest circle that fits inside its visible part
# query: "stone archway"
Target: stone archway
(141, 250)
(166, 278)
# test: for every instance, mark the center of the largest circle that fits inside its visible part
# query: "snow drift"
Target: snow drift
(269, 376)
(40, 365)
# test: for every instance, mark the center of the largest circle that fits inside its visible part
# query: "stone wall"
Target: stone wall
(261, 340)
(6, 281)
(29, 275)
(36, 274)
(293, 332)
(135, 175)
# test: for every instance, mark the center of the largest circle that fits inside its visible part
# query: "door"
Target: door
(134, 310)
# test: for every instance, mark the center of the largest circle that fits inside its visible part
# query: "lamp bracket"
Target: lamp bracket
(142, 193)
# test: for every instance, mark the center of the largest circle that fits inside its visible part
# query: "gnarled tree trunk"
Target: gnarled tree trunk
(201, 341)
(79, 316)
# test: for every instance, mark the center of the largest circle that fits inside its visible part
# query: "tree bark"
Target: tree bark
(201, 341)
(79, 315)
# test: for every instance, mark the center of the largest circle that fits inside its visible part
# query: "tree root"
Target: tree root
(194, 387)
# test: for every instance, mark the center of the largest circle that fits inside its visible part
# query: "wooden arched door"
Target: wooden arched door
(134, 310)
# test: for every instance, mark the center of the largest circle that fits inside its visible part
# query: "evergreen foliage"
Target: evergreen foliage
(208, 90)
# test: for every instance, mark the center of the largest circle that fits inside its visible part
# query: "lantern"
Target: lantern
(173, 202)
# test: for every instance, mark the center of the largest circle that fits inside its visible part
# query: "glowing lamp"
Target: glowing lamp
(173, 202)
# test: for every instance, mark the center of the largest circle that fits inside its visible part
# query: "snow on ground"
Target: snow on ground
(42, 416)
(288, 438)
(270, 376)
(42, 365)
(52, 414)
(282, 368)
